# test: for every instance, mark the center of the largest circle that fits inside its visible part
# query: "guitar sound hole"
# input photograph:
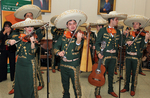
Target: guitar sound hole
(96, 79)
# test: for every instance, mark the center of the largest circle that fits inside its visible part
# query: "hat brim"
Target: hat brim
(22, 24)
(119, 16)
(139, 19)
(62, 19)
(35, 10)
(95, 24)
(53, 19)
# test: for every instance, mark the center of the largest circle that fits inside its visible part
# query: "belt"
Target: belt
(111, 51)
(132, 53)
(66, 60)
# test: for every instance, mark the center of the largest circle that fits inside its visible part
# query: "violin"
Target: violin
(143, 33)
(68, 34)
(26, 38)
(134, 34)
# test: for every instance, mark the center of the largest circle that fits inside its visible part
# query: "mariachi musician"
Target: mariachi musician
(68, 48)
(135, 44)
(56, 34)
(26, 66)
(112, 37)
(99, 24)
(32, 12)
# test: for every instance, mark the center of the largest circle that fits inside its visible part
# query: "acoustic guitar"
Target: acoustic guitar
(97, 78)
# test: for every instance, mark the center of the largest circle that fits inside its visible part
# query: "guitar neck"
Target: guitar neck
(100, 61)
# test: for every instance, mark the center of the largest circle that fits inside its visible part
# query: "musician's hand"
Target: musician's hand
(126, 33)
(93, 47)
(12, 41)
(61, 53)
(79, 37)
(32, 39)
(147, 36)
(129, 43)
(112, 51)
(90, 45)
(100, 56)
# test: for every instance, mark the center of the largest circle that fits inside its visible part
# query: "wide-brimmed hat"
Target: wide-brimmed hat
(53, 19)
(28, 22)
(114, 14)
(99, 22)
(94, 24)
(136, 18)
(20, 12)
(77, 15)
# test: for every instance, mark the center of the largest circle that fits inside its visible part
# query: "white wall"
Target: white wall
(90, 7)
(129, 7)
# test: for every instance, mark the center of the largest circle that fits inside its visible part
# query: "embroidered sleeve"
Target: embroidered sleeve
(98, 41)
(57, 45)
(13, 35)
(33, 51)
(53, 29)
(78, 46)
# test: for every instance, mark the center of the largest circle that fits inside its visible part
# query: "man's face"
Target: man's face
(136, 25)
(98, 27)
(115, 21)
(106, 1)
(28, 15)
(71, 25)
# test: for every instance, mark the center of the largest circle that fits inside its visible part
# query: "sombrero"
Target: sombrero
(99, 22)
(28, 22)
(20, 12)
(114, 14)
(77, 15)
(136, 18)
(94, 24)
(53, 19)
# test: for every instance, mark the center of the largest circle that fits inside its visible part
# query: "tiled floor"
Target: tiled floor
(142, 91)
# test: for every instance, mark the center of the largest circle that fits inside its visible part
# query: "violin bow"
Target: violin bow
(32, 32)
(72, 37)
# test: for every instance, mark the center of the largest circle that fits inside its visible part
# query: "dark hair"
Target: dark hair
(26, 14)
(101, 25)
(110, 19)
(9, 24)
(138, 22)
(69, 21)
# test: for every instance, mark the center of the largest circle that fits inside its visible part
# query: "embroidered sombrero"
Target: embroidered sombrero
(113, 14)
(136, 18)
(53, 19)
(28, 22)
(62, 19)
(99, 22)
(20, 12)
